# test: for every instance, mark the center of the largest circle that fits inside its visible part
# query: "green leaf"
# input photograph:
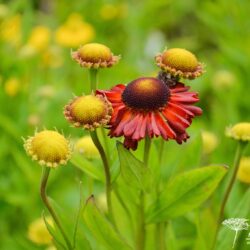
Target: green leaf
(185, 192)
(225, 238)
(133, 171)
(58, 241)
(101, 229)
(86, 166)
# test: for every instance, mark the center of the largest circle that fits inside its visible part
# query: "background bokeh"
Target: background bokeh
(38, 77)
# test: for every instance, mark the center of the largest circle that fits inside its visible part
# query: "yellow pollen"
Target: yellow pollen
(180, 59)
(95, 52)
(146, 85)
(49, 146)
(88, 108)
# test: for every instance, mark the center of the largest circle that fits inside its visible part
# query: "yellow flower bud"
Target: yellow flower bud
(12, 86)
(209, 141)
(223, 79)
(95, 55)
(240, 131)
(89, 112)
(244, 170)
(179, 63)
(38, 232)
(86, 147)
(39, 38)
(48, 148)
(101, 202)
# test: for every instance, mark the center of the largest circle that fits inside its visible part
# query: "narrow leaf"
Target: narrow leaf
(101, 229)
(185, 192)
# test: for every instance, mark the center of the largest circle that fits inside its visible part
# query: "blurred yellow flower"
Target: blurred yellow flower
(209, 142)
(86, 147)
(74, 32)
(38, 232)
(11, 30)
(223, 79)
(12, 86)
(39, 38)
(244, 170)
(240, 131)
(52, 57)
(51, 248)
(110, 11)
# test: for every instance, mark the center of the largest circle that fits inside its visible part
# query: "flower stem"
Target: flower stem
(93, 79)
(45, 199)
(160, 227)
(238, 155)
(97, 143)
(141, 232)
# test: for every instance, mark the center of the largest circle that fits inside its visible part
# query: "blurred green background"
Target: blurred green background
(38, 77)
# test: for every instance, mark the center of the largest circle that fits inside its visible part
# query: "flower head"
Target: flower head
(244, 170)
(38, 232)
(86, 147)
(95, 55)
(179, 63)
(240, 131)
(49, 148)
(148, 107)
(89, 112)
(236, 224)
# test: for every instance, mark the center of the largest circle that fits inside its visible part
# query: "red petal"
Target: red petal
(164, 128)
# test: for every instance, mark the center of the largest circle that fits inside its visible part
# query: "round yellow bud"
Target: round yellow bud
(209, 141)
(101, 202)
(89, 112)
(38, 232)
(244, 170)
(240, 131)
(49, 148)
(12, 86)
(86, 147)
(180, 59)
(95, 52)
(95, 55)
(179, 63)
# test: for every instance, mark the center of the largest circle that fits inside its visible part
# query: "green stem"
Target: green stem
(93, 79)
(106, 146)
(98, 145)
(238, 155)
(45, 199)
(141, 232)
(160, 227)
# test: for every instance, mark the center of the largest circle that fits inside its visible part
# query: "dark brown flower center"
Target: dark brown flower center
(146, 93)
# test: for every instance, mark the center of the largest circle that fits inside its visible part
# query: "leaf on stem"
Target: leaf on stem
(102, 230)
(185, 192)
(133, 171)
(86, 166)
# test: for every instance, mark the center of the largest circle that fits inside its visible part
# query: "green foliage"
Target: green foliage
(104, 233)
(134, 172)
(185, 192)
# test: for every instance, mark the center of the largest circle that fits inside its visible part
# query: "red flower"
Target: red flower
(148, 107)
